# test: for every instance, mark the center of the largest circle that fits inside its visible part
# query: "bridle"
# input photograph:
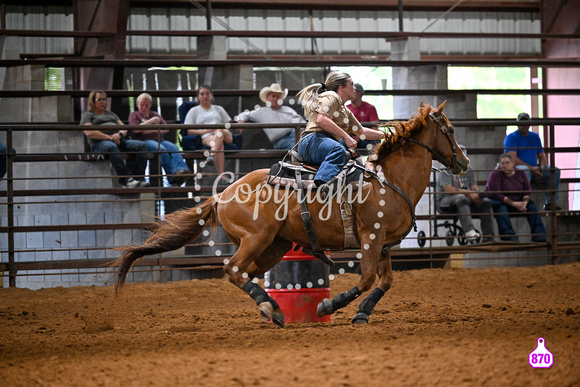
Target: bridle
(448, 166)
(446, 131)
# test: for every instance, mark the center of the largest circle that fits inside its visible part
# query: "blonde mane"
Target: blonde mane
(398, 131)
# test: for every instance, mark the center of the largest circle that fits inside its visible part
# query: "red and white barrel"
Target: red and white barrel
(298, 283)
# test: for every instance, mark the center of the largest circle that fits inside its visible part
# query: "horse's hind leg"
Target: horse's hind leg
(248, 263)
(385, 281)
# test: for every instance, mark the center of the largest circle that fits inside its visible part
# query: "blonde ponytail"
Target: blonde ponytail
(308, 96)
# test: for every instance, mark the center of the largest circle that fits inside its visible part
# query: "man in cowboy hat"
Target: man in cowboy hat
(274, 112)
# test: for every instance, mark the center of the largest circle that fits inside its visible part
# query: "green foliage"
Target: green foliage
(493, 106)
(53, 78)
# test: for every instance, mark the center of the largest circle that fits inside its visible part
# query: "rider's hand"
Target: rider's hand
(350, 142)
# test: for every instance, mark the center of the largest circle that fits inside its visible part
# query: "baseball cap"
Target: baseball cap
(358, 87)
(523, 116)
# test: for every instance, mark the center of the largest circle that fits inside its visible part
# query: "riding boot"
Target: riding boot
(324, 191)
(329, 189)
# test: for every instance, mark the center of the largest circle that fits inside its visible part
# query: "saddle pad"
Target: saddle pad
(284, 175)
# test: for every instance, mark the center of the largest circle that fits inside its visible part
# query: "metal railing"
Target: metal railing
(434, 253)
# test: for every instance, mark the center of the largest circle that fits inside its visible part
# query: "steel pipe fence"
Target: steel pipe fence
(564, 244)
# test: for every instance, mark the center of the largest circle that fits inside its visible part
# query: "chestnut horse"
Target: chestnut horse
(264, 227)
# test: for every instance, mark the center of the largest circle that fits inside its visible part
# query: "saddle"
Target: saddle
(299, 176)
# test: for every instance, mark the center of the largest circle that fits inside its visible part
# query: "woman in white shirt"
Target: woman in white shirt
(205, 114)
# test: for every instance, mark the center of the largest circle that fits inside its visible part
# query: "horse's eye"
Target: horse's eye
(451, 130)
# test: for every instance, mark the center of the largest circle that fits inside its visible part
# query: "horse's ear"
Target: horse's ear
(440, 108)
(422, 104)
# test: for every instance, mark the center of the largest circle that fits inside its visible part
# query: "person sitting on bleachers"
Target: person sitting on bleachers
(364, 112)
(204, 114)
(112, 141)
(526, 149)
(274, 112)
(509, 190)
(171, 160)
(458, 194)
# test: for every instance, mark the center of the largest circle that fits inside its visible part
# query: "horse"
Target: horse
(249, 211)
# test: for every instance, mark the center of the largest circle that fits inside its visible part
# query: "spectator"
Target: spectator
(204, 114)
(458, 194)
(171, 160)
(112, 141)
(273, 96)
(3, 158)
(533, 159)
(509, 191)
(364, 112)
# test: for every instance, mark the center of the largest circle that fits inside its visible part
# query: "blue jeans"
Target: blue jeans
(544, 179)
(320, 149)
(171, 159)
(505, 229)
(114, 153)
(286, 142)
(3, 157)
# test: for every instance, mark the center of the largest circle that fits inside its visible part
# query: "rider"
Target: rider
(329, 121)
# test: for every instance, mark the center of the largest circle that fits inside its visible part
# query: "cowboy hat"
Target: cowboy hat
(273, 88)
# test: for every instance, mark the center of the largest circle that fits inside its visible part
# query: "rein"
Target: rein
(448, 166)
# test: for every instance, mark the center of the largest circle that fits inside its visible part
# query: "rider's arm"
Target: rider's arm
(327, 124)
(372, 134)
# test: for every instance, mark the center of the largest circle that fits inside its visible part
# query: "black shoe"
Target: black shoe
(510, 239)
(180, 177)
(324, 190)
(548, 207)
(132, 183)
(542, 240)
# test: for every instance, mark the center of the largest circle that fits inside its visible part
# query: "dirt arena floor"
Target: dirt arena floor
(460, 327)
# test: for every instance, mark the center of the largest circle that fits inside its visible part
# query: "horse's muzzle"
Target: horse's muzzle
(460, 167)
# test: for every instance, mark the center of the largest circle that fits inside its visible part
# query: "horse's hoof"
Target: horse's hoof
(278, 318)
(266, 310)
(360, 318)
(325, 307)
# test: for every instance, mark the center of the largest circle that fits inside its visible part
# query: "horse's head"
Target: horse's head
(447, 151)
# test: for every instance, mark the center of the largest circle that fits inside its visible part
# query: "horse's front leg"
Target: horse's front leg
(369, 264)
(268, 307)
(385, 281)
